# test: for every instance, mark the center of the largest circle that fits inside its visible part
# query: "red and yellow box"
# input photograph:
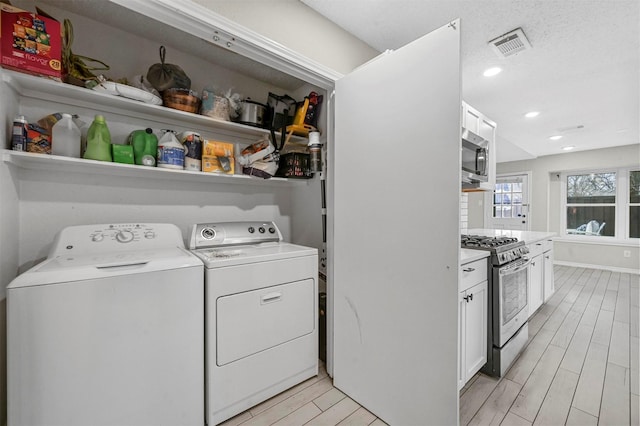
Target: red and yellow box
(217, 149)
(211, 164)
(30, 43)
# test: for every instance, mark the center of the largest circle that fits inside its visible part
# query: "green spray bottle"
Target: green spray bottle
(98, 140)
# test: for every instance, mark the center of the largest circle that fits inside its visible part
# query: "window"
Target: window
(507, 199)
(634, 204)
(591, 204)
(604, 203)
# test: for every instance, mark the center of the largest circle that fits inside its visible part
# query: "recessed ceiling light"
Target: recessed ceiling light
(532, 114)
(621, 131)
(555, 137)
(492, 71)
(568, 148)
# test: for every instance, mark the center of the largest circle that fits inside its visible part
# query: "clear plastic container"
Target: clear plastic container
(65, 137)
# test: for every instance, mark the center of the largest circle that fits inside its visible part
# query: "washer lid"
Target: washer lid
(66, 268)
(251, 253)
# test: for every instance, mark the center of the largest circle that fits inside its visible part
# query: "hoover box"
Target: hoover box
(30, 43)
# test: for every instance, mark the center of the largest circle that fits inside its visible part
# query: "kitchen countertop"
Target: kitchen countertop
(527, 236)
(470, 255)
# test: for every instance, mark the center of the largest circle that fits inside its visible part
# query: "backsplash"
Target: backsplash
(464, 212)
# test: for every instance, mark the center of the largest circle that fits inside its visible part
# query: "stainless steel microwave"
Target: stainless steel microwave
(475, 158)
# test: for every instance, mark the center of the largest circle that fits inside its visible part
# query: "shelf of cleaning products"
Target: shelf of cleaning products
(50, 90)
(55, 163)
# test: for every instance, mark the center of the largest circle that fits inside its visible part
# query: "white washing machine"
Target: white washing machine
(261, 314)
(108, 330)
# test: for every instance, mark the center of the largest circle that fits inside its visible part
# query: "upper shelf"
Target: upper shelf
(32, 161)
(47, 89)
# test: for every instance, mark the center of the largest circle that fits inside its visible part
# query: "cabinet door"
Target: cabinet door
(475, 329)
(462, 373)
(549, 284)
(471, 119)
(376, 350)
(536, 287)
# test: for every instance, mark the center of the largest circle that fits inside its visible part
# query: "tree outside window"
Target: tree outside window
(591, 204)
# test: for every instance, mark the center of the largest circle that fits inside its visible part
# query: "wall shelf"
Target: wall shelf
(32, 161)
(43, 88)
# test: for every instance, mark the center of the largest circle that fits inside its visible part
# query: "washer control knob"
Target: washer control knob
(272, 230)
(208, 233)
(261, 230)
(124, 236)
(149, 235)
(97, 238)
(251, 229)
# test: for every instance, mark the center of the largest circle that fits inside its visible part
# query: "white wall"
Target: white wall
(546, 203)
(298, 27)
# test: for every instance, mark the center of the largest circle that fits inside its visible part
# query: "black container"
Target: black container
(322, 327)
(295, 165)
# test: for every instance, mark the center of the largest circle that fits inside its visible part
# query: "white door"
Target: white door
(507, 207)
(536, 285)
(396, 231)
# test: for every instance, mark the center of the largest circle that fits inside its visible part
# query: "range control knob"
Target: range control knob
(124, 236)
(272, 230)
(97, 237)
(251, 229)
(261, 230)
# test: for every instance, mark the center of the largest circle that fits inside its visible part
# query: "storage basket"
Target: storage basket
(182, 99)
(295, 165)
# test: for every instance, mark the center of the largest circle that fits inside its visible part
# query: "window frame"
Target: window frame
(622, 206)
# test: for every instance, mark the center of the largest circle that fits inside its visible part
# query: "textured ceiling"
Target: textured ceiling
(583, 69)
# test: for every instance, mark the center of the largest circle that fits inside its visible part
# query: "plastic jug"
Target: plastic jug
(98, 140)
(170, 151)
(65, 137)
(145, 147)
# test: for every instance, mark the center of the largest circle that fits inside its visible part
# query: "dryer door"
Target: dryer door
(254, 321)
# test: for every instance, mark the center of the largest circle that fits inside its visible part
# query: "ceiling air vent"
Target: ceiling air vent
(510, 43)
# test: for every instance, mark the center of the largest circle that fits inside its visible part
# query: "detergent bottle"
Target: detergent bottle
(98, 140)
(65, 137)
(145, 147)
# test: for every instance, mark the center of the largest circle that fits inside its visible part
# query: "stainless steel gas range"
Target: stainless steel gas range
(507, 331)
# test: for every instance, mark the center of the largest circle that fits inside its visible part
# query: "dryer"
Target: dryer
(261, 314)
(108, 330)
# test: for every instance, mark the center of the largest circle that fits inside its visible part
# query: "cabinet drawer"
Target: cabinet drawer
(536, 248)
(473, 273)
(547, 245)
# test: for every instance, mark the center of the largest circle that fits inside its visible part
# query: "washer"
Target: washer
(261, 314)
(108, 330)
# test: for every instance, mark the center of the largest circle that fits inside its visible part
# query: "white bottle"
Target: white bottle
(65, 137)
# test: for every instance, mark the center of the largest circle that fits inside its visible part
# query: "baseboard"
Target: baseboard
(603, 267)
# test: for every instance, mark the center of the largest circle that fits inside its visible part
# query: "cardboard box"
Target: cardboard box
(217, 149)
(211, 164)
(38, 140)
(30, 43)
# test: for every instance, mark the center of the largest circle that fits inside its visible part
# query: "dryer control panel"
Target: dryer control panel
(206, 235)
(108, 238)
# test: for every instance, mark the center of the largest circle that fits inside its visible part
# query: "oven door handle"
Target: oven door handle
(518, 268)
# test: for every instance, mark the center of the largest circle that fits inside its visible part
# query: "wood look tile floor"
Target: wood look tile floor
(580, 367)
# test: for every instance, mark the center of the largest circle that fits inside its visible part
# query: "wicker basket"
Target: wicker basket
(182, 99)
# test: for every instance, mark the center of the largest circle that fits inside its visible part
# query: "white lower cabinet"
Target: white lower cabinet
(549, 283)
(536, 283)
(472, 320)
(541, 285)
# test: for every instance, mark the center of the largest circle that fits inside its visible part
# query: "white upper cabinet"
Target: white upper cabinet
(479, 124)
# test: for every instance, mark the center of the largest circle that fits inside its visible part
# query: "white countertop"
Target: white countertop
(470, 255)
(526, 236)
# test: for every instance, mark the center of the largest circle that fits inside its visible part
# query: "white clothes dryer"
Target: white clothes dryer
(261, 314)
(108, 330)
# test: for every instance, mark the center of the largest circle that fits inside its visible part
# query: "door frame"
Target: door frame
(488, 198)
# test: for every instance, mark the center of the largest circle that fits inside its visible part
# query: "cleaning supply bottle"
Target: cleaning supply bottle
(65, 137)
(98, 140)
(170, 151)
(145, 147)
